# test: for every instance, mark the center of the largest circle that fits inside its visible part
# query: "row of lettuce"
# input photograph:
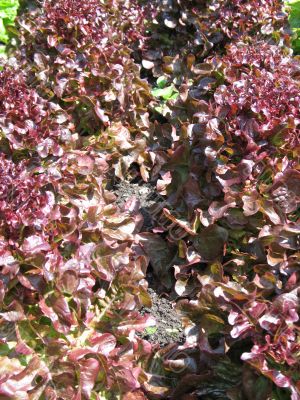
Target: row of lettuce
(72, 266)
(201, 98)
(229, 168)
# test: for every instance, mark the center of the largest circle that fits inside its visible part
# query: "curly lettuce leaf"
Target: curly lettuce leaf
(8, 13)
(294, 20)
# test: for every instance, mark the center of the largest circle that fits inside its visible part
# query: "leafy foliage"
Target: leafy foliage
(294, 19)
(71, 281)
(79, 55)
(215, 123)
(183, 31)
(231, 172)
(72, 273)
(28, 122)
(8, 13)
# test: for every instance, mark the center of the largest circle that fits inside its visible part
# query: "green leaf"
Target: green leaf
(2, 53)
(3, 33)
(163, 109)
(150, 330)
(174, 96)
(161, 82)
(280, 394)
(4, 349)
(8, 13)
(167, 93)
(294, 20)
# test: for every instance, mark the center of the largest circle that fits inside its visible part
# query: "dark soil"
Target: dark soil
(144, 192)
(168, 326)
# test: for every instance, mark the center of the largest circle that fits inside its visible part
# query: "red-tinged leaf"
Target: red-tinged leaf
(260, 364)
(22, 348)
(139, 324)
(119, 228)
(85, 164)
(103, 344)
(217, 210)
(127, 377)
(161, 255)
(69, 282)
(32, 282)
(136, 395)
(35, 244)
(182, 224)
(272, 213)
(52, 41)
(49, 312)
(251, 204)
(78, 354)
(100, 113)
(13, 316)
(19, 380)
(2, 292)
(61, 308)
(210, 243)
(89, 369)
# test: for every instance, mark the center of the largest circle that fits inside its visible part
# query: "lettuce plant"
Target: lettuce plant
(72, 273)
(8, 13)
(232, 175)
(71, 284)
(185, 32)
(30, 124)
(294, 20)
(225, 152)
(80, 56)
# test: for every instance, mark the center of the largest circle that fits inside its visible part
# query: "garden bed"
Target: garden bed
(149, 200)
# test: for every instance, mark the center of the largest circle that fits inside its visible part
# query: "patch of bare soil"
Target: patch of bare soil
(168, 325)
(144, 192)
